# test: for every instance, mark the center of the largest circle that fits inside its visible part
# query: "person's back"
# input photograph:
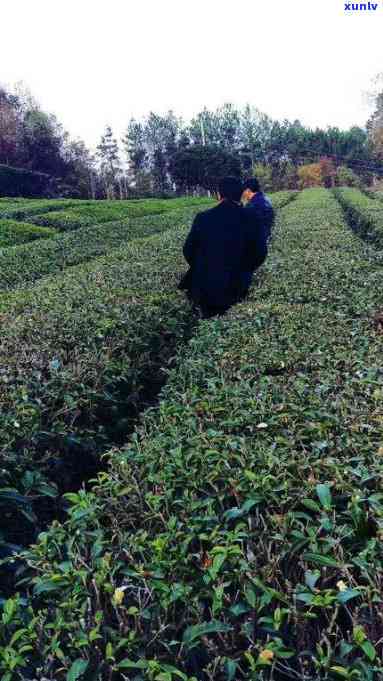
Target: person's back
(220, 247)
(259, 205)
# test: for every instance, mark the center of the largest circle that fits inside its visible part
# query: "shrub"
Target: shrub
(237, 533)
(27, 264)
(24, 265)
(100, 212)
(310, 175)
(345, 177)
(20, 182)
(25, 209)
(79, 352)
(13, 233)
(364, 214)
(264, 173)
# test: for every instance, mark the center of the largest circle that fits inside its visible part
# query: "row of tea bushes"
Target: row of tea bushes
(66, 221)
(238, 535)
(23, 209)
(98, 214)
(364, 213)
(68, 214)
(79, 353)
(21, 266)
(281, 199)
(13, 233)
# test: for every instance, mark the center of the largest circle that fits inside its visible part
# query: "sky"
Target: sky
(98, 62)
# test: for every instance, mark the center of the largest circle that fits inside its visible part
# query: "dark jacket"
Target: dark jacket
(262, 210)
(222, 244)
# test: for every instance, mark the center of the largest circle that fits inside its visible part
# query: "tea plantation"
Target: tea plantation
(196, 500)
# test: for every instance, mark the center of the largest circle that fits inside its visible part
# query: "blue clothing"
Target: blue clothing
(263, 213)
(221, 247)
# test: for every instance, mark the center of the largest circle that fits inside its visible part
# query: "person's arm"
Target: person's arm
(191, 242)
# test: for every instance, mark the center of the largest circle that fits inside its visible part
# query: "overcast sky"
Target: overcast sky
(94, 62)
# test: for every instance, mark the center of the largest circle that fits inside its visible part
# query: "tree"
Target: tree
(345, 177)
(10, 128)
(80, 171)
(43, 143)
(310, 175)
(108, 154)
(328, 172)
(264, 173)
(137, 156)
(161, 134)
(203, 166)
(375, 123)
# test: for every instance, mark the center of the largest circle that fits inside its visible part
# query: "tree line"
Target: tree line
(163, 155)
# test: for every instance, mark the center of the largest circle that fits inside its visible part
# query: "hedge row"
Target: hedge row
(74, 212)
(23, 209)
(13, 233)
(99, 213)
(364, 213)
(77, 358)
(25, 264)
(238, 534)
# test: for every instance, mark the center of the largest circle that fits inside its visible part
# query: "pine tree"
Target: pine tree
(110, 165)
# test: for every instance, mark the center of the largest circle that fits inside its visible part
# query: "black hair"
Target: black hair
(230, 188)
(252, 184)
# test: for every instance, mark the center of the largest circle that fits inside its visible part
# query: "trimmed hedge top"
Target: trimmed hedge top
(238, 533)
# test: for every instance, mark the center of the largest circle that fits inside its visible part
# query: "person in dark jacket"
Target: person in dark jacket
(221, 246)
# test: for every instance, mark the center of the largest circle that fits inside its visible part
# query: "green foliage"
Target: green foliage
(21, 182)
(98, 211)
(310, 175)
(24, 209)
(204, 166)
(20, 266)
(364, 213)
(106, 332)
(264, 173)
(238, 531)
(23, 265)
(345, 177)
(13, 233)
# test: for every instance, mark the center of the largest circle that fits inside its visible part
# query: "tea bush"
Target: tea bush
(97, 213)
(13, 233)
(238, 534)
(23, 265)
(24, 209)
(364, 213)
(21, 209)
(78, 353)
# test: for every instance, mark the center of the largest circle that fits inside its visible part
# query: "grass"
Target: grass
(237, 534)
